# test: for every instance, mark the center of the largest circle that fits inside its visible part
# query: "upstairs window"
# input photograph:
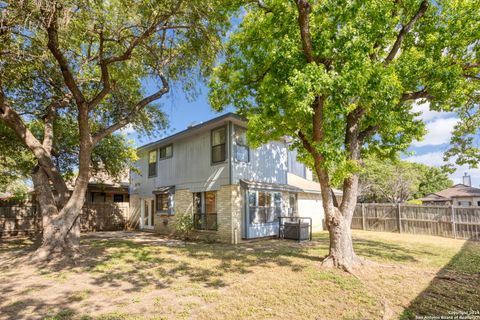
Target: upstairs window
(166, 152)
(242, 152)
(219, 150)
(152, 163)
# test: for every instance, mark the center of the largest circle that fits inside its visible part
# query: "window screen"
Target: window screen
(152, 163)
(219, 150)
(166, 152)
(242, 152)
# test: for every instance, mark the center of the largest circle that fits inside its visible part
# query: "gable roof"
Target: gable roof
(194, 128)
(458, 190)
(307, 185)
(5, 195)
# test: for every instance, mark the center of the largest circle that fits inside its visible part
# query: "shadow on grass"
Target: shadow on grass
(454, 290)
(143, 260)
(131, 262)
(378, 250)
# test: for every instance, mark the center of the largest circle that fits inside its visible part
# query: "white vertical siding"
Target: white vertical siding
(310, 205)
(190, 167)
(267, 164)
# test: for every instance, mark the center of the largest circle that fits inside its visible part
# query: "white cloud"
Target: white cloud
(435, 159)
(128, 129)
(474, 174)
(432, 159)
(439, 132)
(427, 114)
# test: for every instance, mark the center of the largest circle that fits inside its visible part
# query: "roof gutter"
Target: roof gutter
(178, 135)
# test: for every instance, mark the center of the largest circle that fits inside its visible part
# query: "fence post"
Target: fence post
(363, 216)
(399, 218)
(454, 228)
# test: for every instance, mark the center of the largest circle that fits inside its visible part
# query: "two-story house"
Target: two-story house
(233, 192)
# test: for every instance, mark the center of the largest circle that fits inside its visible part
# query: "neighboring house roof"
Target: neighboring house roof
(5, 195)
(306, 185)
(104, 182)
(193, 129)
(103, 178)
(457, 191)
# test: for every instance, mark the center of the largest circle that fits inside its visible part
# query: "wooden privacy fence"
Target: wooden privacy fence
(21, 220)
(445, 221)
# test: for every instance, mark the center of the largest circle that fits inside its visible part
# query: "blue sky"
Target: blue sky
(182, 113)
(430, 150)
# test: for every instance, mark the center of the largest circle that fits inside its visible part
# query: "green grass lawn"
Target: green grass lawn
(138, 276)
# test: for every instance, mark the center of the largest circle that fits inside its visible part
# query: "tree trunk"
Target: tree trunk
(339, 220)
(61, 236)
(341, 253)
(61, 230)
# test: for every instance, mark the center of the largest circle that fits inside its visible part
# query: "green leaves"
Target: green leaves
(112, 51)
(399, 181)
(265, 75)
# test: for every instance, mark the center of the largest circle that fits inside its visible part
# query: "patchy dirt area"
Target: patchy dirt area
(136, 275)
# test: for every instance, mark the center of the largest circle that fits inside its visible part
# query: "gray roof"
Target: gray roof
(457, 191)
(191, 129)
(268, 186)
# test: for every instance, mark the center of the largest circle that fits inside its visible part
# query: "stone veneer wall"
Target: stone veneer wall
(183, 203)
(229, 212)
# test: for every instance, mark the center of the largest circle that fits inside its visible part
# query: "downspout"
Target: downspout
(230, 151)
(245, 211)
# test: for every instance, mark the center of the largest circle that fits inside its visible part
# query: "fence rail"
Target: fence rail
(445, 221)
(25, 220)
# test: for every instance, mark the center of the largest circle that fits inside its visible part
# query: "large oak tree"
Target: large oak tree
(340, 77)
(83, 65)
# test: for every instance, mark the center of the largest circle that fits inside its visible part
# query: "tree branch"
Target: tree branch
(49, 118)
(367, 133)
(422, 94)
(304, 23)
(14, 122)
(405, 29)
(467, 76)
(154, 27)
(262, 5)
(469, 66)
(53, 46)
(137, 108)
(306, 144)
(48, 128)
(105, 62)
(352, 132)
(105, 75)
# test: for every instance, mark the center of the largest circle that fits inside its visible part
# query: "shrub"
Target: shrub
(184, 225)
